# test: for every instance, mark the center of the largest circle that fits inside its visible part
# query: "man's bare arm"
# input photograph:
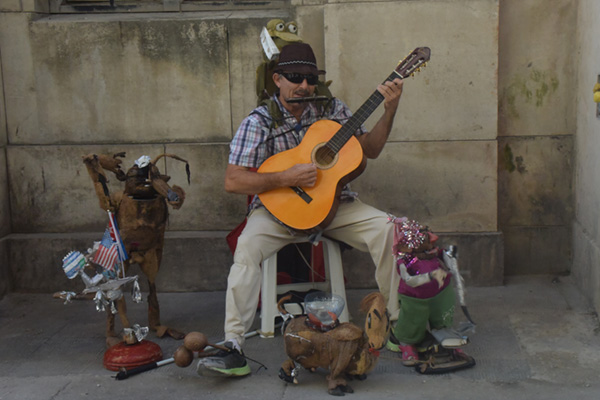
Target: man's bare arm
(242, 180)
(373, 142)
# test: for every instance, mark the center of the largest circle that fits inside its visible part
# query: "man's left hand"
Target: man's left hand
(391, 91)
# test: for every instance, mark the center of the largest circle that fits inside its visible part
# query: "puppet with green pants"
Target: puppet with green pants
(427, 302)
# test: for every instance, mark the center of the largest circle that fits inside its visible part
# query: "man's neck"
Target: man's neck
(295, 109)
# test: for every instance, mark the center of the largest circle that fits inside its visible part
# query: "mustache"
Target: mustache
(302, 93)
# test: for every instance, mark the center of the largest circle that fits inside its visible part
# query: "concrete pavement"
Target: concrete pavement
(536, 338)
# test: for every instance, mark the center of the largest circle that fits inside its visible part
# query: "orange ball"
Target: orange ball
(195, 341)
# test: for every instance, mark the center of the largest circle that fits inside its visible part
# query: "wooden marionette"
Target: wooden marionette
(319, 340)
(141, 213)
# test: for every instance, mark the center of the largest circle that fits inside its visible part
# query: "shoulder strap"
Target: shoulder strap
(322, 89)
(274, 112)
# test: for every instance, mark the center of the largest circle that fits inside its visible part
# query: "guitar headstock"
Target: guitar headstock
(413, 62)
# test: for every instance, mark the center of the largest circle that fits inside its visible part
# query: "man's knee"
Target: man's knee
(247, 251)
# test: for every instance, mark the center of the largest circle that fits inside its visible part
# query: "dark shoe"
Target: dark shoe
(228, 363)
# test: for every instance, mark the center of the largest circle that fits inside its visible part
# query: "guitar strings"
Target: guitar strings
(353, 123)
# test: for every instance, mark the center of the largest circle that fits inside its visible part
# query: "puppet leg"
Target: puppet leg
(111, 336)
(337, 385)
(286, 372)
(150, 267)
(122, 310)
(110, 324)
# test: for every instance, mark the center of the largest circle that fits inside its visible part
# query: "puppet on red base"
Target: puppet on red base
(141, 212)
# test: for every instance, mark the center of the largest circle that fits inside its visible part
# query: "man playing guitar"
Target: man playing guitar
(354, 223)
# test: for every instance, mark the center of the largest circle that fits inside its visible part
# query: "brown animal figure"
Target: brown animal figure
(344, 350)
(141, 212)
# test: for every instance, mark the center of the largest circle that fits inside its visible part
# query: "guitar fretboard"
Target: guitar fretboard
(358, 118)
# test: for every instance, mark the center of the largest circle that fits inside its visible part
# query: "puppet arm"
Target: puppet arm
(96, 172)
(174, 195)
(417, 280)
(112, 163)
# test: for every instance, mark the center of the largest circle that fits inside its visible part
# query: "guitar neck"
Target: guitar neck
(358, 118)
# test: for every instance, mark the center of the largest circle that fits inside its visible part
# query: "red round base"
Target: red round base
(130, 356)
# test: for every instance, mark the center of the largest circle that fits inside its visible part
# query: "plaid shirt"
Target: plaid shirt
(256, 139)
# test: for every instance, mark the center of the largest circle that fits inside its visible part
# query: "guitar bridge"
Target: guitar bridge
(303, 195)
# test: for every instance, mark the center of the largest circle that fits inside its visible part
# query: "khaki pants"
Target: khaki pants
(361, 226)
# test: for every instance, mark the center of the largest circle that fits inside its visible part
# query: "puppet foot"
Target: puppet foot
(340, 390)
(287, 378)
(409, 355)
(112, 341)
(162, 331)
(408, 352)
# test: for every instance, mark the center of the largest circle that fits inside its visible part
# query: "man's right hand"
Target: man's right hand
(304, 175)
(243, 181)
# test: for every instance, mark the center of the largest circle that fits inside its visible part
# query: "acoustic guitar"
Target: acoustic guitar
(336, 153)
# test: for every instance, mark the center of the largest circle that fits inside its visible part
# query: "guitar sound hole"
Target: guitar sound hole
(323, 157)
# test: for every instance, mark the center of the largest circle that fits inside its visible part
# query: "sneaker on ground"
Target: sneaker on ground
(393, 344)
(229, 363)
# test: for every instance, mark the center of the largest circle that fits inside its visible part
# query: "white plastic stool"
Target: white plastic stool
(334, 283)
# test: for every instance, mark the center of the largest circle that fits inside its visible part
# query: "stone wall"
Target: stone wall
(586, 226)
(536, 127)
(5, 279)
(182, 82)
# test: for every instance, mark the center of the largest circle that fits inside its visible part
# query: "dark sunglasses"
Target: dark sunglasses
(299, 78)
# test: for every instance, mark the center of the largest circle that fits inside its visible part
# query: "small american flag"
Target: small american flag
(107, 254)
(116, 237)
